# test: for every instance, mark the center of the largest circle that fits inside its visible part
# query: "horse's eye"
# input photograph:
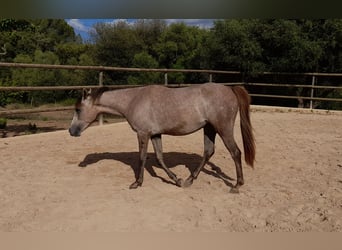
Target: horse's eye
(77, 111)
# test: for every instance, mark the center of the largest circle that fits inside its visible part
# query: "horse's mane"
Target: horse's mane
(96, 93)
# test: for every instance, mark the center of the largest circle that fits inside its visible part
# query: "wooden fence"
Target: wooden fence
(210, 73)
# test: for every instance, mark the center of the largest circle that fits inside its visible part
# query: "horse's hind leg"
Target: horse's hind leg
(209, 150)
(158, 149)
(229, 142)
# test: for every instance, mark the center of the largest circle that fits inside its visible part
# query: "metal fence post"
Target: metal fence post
(210, 77)
(101, 84)
(312, 90)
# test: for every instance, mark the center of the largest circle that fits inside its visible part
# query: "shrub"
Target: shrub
(3, 123)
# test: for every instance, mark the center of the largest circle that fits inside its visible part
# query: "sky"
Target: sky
(84, 26)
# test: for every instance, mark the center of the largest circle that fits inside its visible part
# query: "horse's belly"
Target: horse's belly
(183, 128)
(181, 120)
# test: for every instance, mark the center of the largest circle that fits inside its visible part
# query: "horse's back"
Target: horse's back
(180, 111)
(204, 100)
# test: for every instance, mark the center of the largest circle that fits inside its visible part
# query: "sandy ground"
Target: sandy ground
(54, 182)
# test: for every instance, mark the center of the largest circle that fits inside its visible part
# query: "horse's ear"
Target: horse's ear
(85, 93)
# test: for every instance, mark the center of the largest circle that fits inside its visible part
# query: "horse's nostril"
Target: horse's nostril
(74, 131)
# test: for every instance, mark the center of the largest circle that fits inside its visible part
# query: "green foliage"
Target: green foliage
(147, 44)
(144, 60)
(149, 31)
(12, 24)
(3, 123)
(287, 47)
(234, 47)
(116, 44)
(36, 41)
(179, 45)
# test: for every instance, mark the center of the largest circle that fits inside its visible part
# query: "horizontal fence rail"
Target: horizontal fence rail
(298, 97)
(53, 88)
(35, 110)
(101, 69)
(293, 85)
(107, 68)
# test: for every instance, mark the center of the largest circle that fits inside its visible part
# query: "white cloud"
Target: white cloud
(78, 25)
(115, 21)
(202, 23)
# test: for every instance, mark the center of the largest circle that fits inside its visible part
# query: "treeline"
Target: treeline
(247, 45)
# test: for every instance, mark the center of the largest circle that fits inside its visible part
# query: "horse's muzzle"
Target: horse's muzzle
(75, 131)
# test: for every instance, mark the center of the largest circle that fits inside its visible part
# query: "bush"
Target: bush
(3, 123)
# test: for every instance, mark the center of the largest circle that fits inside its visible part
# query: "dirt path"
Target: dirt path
(296, 184)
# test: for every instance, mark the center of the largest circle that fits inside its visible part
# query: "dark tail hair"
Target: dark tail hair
(244, 101)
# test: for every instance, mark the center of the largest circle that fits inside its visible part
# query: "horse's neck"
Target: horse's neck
(116, 101)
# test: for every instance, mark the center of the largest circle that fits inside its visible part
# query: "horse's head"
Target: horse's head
(85, 113)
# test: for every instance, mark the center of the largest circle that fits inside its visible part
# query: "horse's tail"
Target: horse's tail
(245, 123)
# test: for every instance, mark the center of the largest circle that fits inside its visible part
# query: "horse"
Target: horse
(154, 110)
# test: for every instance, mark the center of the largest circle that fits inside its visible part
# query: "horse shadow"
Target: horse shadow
(171, 159)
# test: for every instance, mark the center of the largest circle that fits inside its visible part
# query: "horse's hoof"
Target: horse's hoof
(234, 190)
(188, 183)
(180, 182)
(135, 185)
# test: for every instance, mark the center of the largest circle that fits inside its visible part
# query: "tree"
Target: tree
(232, 46)
(148, 32)
(180, 47)
(144, 60)
(287, 47)
(50, 32)
(36, 77)
(47, 41)
(328, 33)
(115, 45)
(26, 36)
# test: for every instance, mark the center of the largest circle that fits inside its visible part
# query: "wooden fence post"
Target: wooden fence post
(312, 91)
(210, 77)
(101, 84)
(165, 79)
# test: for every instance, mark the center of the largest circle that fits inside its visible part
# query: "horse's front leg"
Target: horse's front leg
(143, 143)
(158, 149)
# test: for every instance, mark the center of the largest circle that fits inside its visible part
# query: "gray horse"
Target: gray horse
(155, 110)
